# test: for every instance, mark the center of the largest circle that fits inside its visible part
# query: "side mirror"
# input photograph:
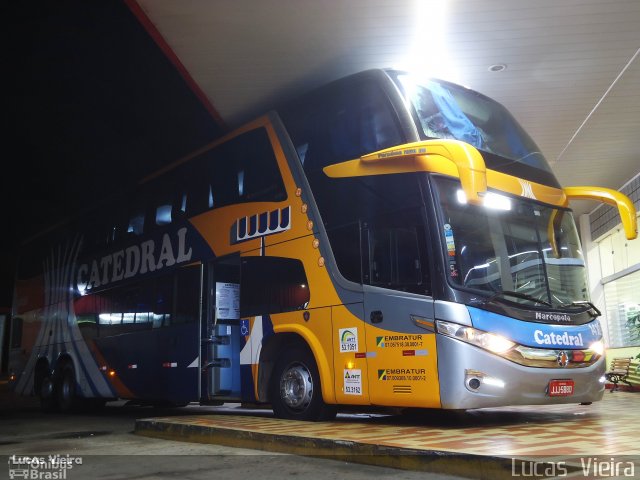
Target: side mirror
(612, 197)
(451, 157)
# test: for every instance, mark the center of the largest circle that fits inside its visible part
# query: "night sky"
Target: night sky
(93, 106)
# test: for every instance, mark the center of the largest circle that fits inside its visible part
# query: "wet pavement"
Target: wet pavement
(481, 443)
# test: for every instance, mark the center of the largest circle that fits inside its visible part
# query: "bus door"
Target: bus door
(220, 331)
(399, 325)
(402, 358)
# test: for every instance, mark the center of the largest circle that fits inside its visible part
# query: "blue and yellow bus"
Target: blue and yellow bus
(380, 241)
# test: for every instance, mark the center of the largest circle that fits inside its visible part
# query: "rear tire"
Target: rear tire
(47, 394)
(65, 391)
(295, 391)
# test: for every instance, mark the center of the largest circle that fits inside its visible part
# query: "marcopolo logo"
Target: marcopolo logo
(553, 317)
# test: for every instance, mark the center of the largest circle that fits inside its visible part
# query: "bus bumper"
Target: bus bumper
(501, 382)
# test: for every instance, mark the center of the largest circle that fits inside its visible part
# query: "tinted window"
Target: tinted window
(243, 169)
(136, 220)
(446, 110)
(376, 228)
(187, 294)
(165, 201)
(192, 191)
(272, 285)
(16, 332)
(156, 302)
(341, 122)
(396, 254)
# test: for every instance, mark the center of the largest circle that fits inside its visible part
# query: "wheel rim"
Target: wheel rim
(66, 392)
(46, 389)
(296, 386)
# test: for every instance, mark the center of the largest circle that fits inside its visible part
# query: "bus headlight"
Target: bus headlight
(597, 347)
(488, 341)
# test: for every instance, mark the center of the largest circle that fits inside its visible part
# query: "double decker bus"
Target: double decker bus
(379, 241)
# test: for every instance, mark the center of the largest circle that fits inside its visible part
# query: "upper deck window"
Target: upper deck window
(446, 110)
(340, 122)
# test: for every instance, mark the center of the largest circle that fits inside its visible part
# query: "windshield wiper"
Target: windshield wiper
(511, 293)
(584, 303)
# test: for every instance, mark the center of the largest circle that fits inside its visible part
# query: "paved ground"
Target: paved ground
(239, 443)
(481, 443)
(609, 427)
(108, 449)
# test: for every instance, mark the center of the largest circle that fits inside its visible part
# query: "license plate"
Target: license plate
(561, 388)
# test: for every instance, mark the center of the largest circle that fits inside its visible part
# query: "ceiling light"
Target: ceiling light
(497, 67)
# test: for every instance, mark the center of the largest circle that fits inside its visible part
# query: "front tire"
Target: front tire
(295, 390)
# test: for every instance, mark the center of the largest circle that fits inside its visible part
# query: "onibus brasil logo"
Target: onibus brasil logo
(51, 467)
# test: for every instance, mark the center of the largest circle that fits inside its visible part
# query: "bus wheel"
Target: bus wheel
(66, 389)
(295, 392)
(46, 394)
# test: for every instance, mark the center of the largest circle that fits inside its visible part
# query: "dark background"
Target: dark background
(92, 105)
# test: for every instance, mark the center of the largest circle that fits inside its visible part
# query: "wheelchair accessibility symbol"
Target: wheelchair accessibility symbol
(244, 328)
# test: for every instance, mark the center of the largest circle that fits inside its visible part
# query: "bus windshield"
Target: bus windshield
(449, 111)
(503, 248)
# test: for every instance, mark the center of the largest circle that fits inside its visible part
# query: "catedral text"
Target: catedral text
(565, 339)
(134, 260)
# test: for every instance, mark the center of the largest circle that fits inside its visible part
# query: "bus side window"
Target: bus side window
(337, 125)
(394, 257)
(164, 213)
(223, 178)
(136, 220)
(245, 169)
(163, 200)
(194, 187)
(16, 332)
(346, 246)
(272, 285)
(103, 227)
(379, 257)
(187, 294)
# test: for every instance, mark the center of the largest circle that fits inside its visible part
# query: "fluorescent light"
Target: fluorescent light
(428, 55)
(496, 201)
(491, 200)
